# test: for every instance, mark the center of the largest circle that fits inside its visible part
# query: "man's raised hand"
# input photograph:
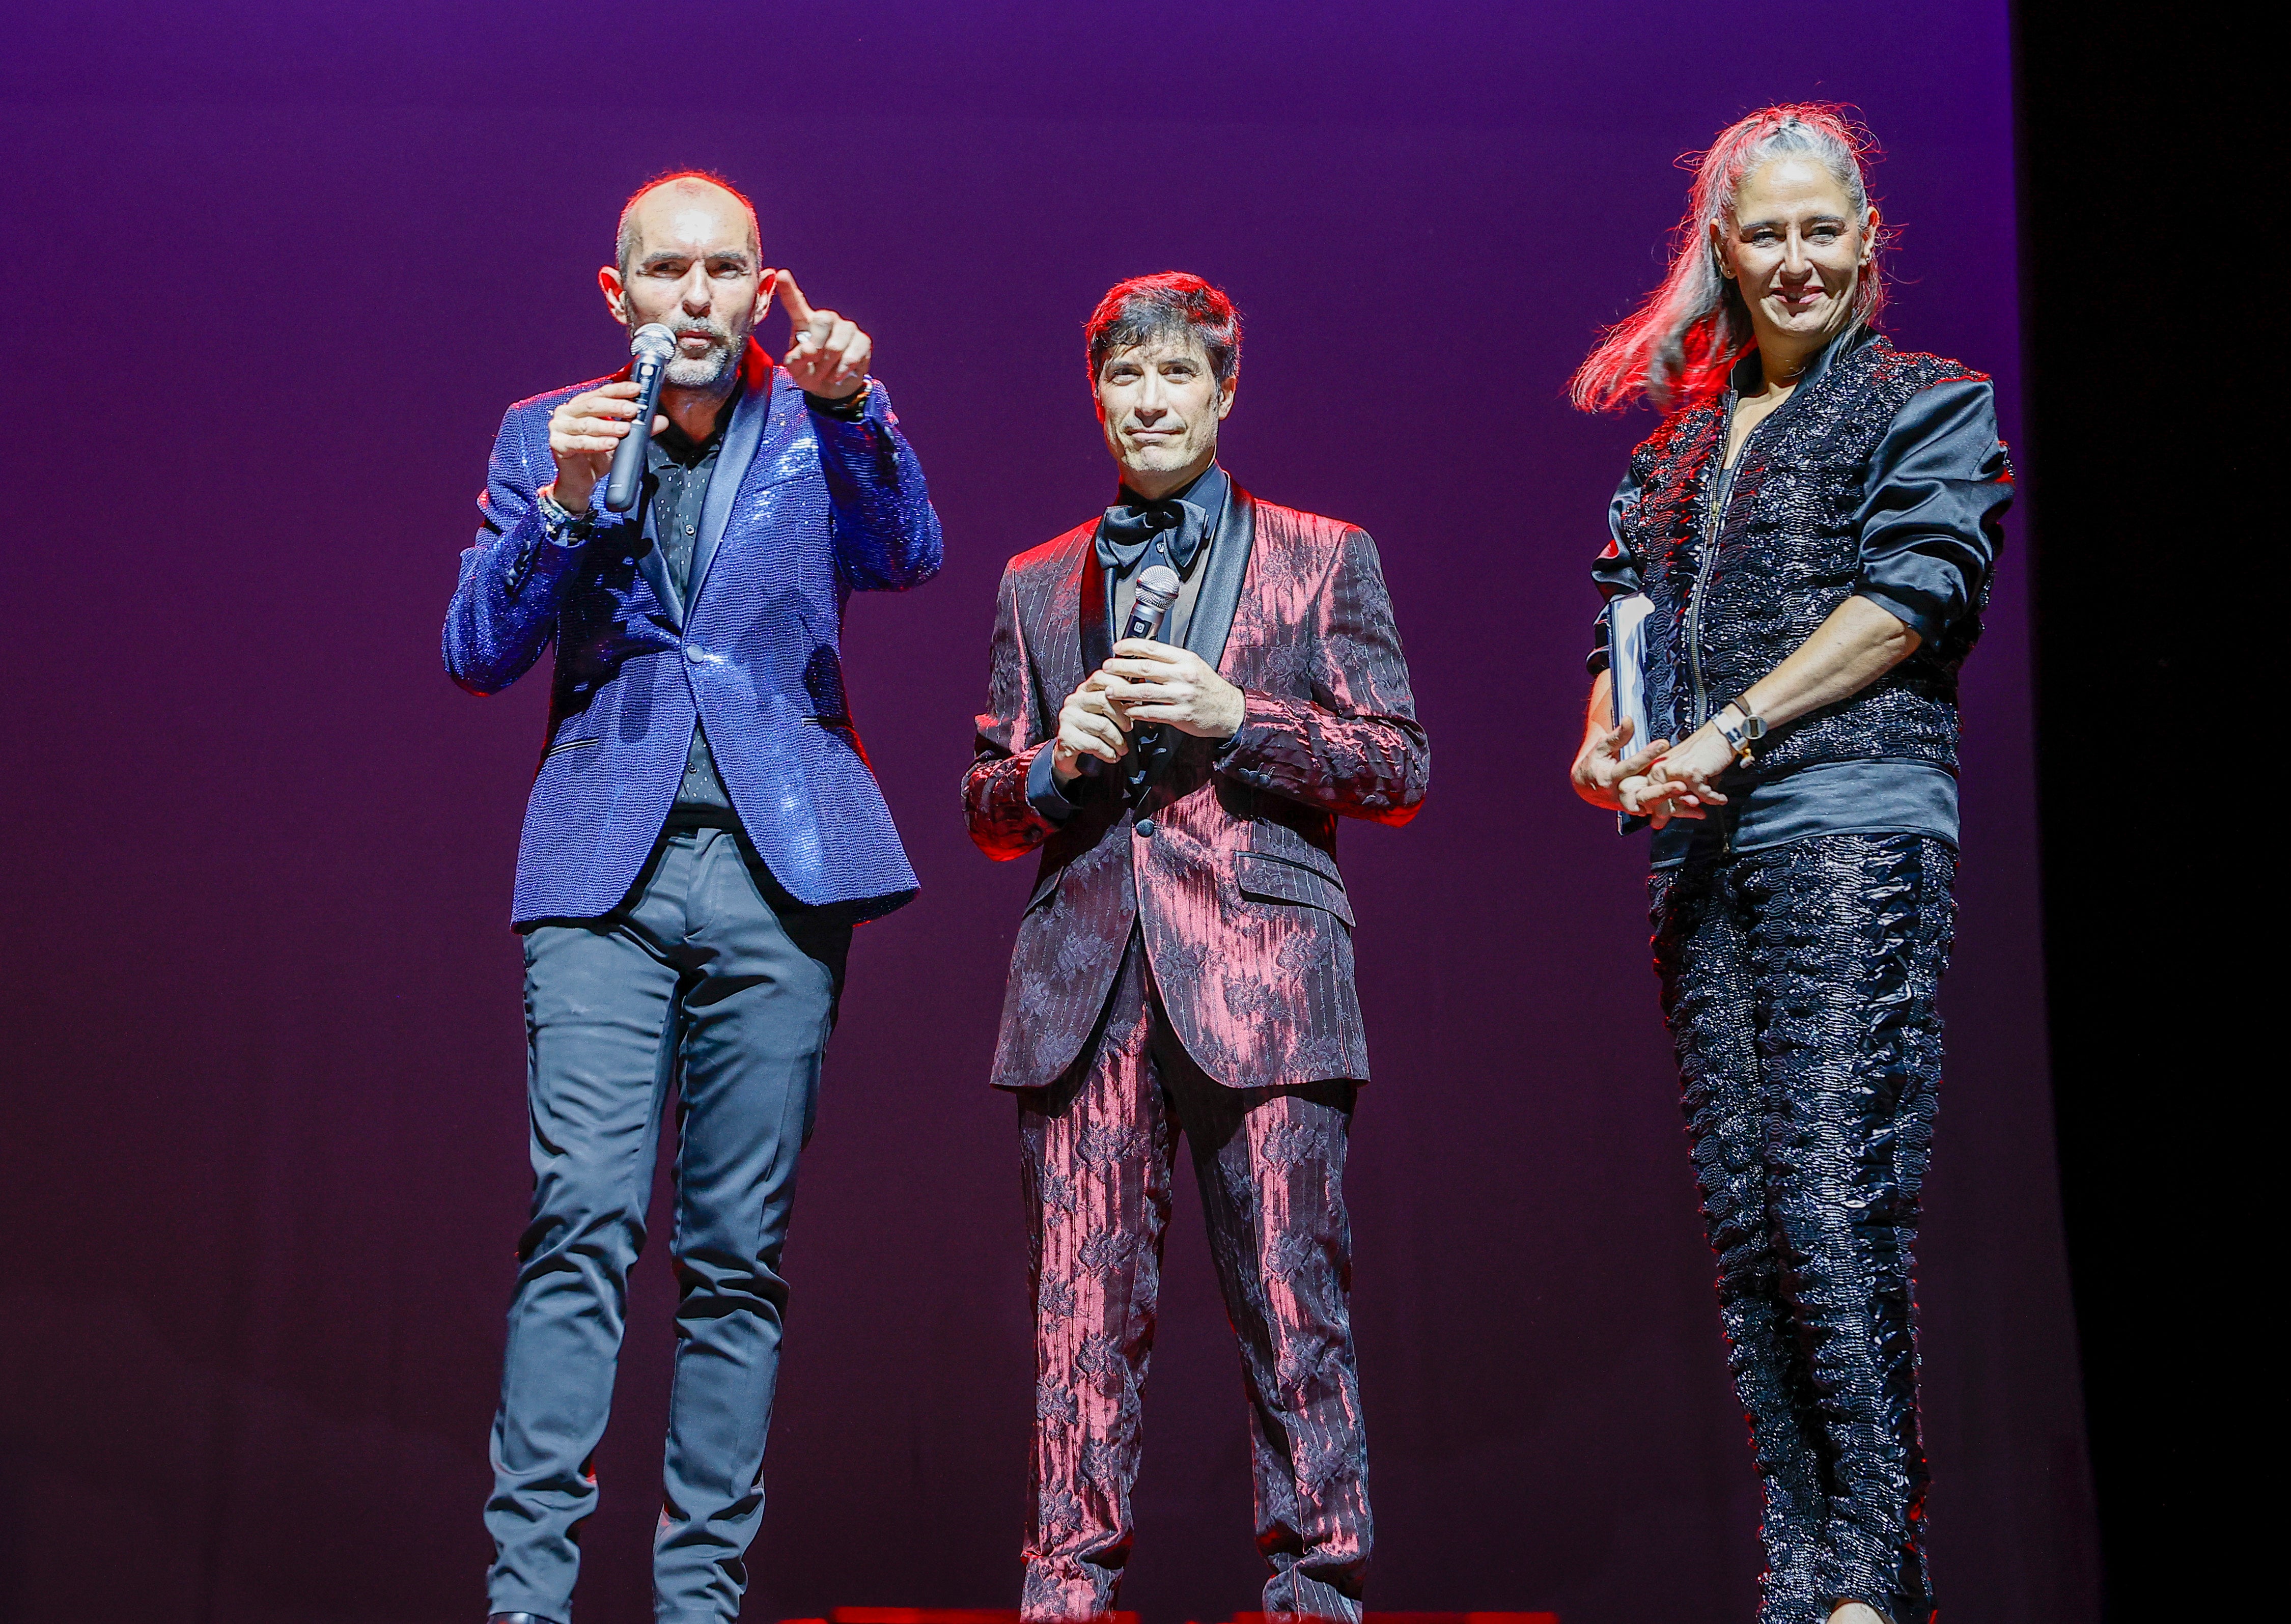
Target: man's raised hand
(583, 433)
(829, 355)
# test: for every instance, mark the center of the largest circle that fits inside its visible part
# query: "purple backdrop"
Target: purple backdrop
(277, 271)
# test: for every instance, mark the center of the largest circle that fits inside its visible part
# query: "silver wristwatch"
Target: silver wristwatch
(1739, 739)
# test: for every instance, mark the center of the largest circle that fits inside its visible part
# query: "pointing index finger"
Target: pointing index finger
(791, 299)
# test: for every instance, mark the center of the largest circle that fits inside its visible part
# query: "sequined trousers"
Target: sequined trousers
(1098, 1157)
(1799, 985)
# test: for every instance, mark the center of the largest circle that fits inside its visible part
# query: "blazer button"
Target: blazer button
(1145, 827)
(694, 653)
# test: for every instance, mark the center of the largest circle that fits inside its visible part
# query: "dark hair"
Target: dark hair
(624, 244)
(1171, 306)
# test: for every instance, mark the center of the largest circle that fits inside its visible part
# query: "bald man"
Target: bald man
(703, 832)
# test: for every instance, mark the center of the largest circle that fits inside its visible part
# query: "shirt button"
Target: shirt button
(694, 652)
(1145, 827)
(688, 530)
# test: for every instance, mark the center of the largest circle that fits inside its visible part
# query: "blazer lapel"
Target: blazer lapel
(655, 570)
(1226, 569)
(740, 442)
(1091, 603)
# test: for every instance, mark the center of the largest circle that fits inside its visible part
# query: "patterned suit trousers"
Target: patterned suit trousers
(1099, 1148)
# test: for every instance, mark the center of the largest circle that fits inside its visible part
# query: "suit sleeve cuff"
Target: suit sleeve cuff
(1043, 793)
(1263, 721)
(1912, 608)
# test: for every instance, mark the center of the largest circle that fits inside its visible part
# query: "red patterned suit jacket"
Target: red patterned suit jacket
(1245, 914)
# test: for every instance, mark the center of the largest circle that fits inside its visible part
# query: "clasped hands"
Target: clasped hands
(1656, 782)
(1145, 681)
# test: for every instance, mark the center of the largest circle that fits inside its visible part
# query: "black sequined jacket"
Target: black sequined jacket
(1881, 476)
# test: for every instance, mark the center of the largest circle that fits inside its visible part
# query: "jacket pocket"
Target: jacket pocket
(564, 745)
(1265, 877)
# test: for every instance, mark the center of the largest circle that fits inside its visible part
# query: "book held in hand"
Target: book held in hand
(1627, 663)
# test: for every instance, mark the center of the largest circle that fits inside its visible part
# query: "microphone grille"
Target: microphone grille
(1158, 586)
(653, 343)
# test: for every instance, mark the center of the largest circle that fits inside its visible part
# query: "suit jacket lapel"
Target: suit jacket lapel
(740, 442)
(655, 570)
(1054, 643)
(1091, 604)
(1226, 569)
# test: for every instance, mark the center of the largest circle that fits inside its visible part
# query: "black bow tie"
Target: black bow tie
(1130, 526)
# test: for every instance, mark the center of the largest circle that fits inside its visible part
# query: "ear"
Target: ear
(1719, 250)
(1869, 237)
(616, 294)
(768, 285)
(1225, 395)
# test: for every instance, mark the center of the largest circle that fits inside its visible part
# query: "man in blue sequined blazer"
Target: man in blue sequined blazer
(702, 833)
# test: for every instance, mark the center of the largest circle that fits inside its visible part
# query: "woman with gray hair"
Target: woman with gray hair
(1797, 561)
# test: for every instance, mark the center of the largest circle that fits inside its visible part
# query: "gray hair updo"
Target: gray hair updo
(1679, 346)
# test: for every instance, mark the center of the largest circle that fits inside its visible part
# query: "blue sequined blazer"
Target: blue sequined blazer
(802, 511)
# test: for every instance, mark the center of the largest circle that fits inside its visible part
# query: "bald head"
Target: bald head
(647, 217)
(690, 260)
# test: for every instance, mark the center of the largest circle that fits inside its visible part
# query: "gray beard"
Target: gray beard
(711, 372)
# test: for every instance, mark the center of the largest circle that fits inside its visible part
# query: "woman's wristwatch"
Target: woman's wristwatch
(1739, 738)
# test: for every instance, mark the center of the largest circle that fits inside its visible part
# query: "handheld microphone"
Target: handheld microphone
(1157, 589)
(654, 346)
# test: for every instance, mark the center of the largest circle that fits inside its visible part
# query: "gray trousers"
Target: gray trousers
(710, 979)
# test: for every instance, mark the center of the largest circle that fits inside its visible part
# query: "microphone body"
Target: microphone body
(654, 346)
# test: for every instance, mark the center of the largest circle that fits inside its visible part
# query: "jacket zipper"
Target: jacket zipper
(1709, 558)
(1709, 561)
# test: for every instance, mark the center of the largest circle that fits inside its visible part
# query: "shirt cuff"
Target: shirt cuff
(1043, 793)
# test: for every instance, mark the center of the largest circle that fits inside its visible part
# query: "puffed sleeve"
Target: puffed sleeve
(1939, 482)
(1616, 569)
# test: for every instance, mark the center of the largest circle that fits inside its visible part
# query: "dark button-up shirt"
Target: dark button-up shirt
(1207, 493)
(677, 470)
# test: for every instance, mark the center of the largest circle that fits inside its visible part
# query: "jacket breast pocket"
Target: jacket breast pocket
(1265, 877)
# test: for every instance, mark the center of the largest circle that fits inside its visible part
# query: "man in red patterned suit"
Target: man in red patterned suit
(1185, 964)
